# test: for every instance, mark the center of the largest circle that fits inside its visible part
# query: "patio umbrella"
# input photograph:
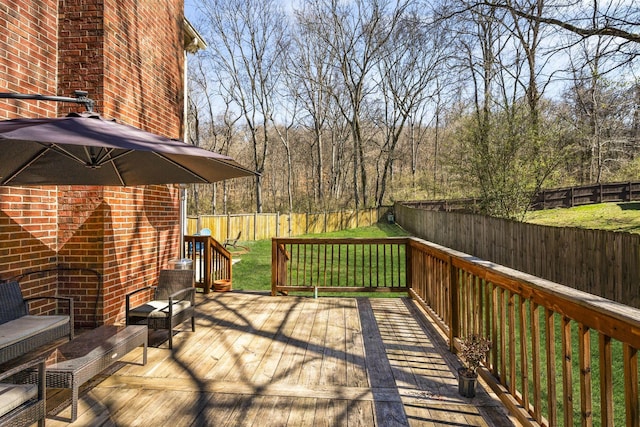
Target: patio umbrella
(86, 149)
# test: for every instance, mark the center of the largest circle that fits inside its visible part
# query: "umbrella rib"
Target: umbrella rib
(25, 166)
(57, 148)
(187, 170)
(107, 157)
(113, 165)
(97, 161)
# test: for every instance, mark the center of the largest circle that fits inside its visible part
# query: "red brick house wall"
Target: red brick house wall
(28, 54)
(129, 56)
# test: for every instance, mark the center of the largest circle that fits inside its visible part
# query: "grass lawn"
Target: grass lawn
(604, 216)
(253, 272)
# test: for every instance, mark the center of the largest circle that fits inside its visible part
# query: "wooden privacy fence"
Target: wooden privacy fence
(594, 261)
(558, 356)
(260, 226)
(547, 199)
(587, 194)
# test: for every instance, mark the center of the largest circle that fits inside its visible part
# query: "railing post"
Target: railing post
(207, 265)
(454, 322)
(275, 262)
(408, 260)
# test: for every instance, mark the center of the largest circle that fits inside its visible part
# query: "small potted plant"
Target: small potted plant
(473, 351)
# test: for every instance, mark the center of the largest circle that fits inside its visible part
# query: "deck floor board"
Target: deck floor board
(258, 360)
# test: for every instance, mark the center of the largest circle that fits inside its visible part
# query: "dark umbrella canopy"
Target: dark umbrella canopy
(85, 149)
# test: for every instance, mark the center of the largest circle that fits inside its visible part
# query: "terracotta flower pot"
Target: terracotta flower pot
(222, 285)
(467, 382)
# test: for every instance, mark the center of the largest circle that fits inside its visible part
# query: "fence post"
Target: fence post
(600, 195)
(454, 322)
(572, 197)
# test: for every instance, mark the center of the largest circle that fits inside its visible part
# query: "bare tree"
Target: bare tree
(355, 34)
(619, 19)
(409, 65)
(247, 38)
(603, 112)
(310, 73)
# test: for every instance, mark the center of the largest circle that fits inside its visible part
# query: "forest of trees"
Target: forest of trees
(346, 104)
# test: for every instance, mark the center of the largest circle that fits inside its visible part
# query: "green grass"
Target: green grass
(253, 272)
(604, 216)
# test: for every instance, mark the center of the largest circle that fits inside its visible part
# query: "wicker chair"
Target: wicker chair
(23, 404)
(21, 332)
(173, 303)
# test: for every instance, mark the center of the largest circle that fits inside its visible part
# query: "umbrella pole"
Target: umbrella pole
(183, 217)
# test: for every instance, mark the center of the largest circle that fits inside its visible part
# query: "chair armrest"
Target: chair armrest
(69, 300)
(12, 368)
(189, 293)
(127, 304)
(137, 291)
(39, 364)
(130, 294)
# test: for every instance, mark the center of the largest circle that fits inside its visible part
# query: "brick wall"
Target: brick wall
(28, 52)
(28, 232)
(28, 217)
(144, 64)
(128, 56)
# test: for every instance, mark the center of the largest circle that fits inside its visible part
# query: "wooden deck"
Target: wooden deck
(258, 360)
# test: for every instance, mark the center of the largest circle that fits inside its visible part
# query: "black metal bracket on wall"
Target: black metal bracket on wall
(80, 98)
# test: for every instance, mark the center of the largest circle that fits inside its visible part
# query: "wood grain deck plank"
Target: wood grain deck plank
(360, 413)
(312, 363)
(289, 361)
(354, 343)
(333, 370)
(247, 351)
(238, 327)
(290, 366)
(265, 372)
(303, 412)
(331, 412)
(253, 351)
(269, 413)
(218, 410)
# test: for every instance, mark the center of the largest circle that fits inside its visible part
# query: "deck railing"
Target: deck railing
(211, 260)
(559, 356)
(339, 265)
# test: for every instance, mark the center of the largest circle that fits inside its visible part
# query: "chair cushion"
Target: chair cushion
(14, 395)
(28, 326)
(158, 308)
